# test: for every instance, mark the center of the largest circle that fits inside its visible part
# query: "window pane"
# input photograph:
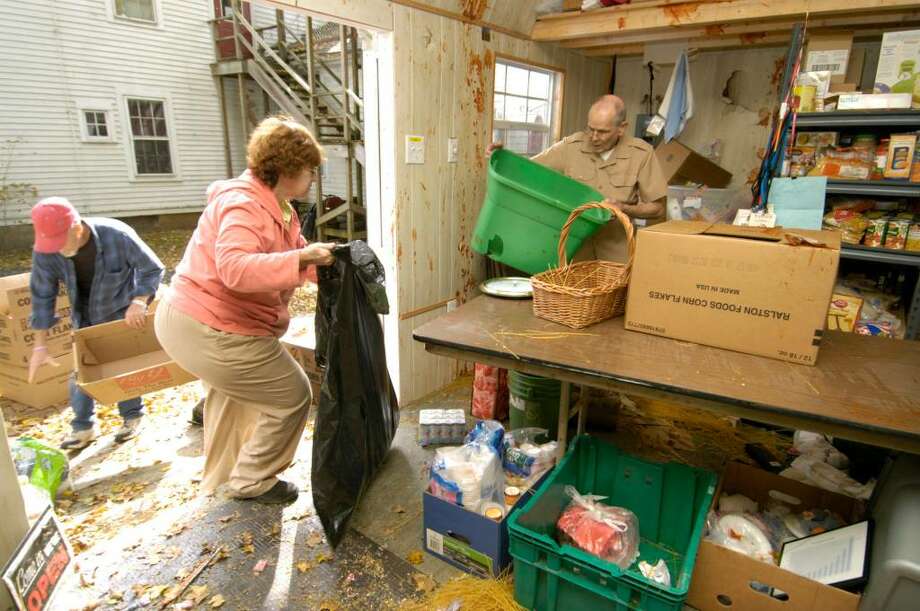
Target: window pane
(537, 112)
(499, 77)
(499, 107)
(102, 130)
(539, 85)
(133, 108)
(136, 127)
(517, 81)
(537, 142)
(152, 157)
(515, 109)
(517, 140)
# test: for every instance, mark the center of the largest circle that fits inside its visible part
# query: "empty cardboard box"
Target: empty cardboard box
(723, 578)
(763, 291)
(682, 165)
(829, 52)
(115, 362)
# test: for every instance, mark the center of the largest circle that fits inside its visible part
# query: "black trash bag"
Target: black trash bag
(358, 412)
(308, 224)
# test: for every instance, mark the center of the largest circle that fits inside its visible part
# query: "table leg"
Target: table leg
(563, 429)
(583, 404)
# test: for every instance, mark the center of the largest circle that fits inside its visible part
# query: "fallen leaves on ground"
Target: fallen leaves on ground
(315, 538)
(259, 567)
(216, 601)
(423, 583)
(415, 557)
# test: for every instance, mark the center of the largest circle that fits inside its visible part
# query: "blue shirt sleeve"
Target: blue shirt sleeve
(148, 269)
(44, 283)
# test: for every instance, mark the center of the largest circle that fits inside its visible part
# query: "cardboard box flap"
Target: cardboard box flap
(791, 236)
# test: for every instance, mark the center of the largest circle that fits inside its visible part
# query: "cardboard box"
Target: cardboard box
(722, 575)
(748, 289)
(51, 386)
(841, 88)
(17, 339)
(18, 354)
(681, 165)
(16, 297)
(467, 540)
(571, 5)
(899, 64)
(829, 52)
(115, 362)
(855, 68)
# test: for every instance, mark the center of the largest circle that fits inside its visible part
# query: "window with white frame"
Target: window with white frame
(138, 10)
(150, 136)
(525, 107)
(96, 125)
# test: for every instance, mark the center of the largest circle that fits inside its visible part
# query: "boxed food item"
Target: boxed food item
(16, 297)
(913, 238)
(115, 362)
(843, 313)
(900, 155)
(850, 223)
(723, 574)
(829, 52)
(811, 89)
(717, 285)
(899, 58)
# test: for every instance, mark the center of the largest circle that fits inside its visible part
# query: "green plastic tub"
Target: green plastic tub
(671, 501)
(525, 207)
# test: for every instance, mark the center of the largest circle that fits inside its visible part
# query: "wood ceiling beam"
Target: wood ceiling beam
(634, 18)
(725, 42)
(737, 29)
(754, 39)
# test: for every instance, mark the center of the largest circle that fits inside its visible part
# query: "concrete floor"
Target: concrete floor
(277, 557)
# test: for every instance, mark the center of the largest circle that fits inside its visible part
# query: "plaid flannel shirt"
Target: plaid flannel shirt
(125, 268)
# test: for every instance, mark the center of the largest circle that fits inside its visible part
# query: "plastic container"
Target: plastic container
(894, 565)
(534, 402)
(670, 500)
(441, 426)
(525, 207)
(702, 204)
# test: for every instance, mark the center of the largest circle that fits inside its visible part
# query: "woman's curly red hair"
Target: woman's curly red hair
(280, 146)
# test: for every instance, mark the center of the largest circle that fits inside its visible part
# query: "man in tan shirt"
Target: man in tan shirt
(622, 168)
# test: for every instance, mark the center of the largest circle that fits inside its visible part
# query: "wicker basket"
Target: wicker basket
(581, 294)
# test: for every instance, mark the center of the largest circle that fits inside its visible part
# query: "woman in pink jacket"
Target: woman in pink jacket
(228, 306)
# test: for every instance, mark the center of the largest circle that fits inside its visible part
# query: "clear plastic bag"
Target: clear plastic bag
(488, 432)
(468, 475)
(657, 572)
(608, 532)
(524, 456)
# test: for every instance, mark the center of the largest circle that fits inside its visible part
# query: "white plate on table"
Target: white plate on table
(509, 287)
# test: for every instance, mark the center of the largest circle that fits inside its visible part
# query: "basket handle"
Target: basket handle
(619, 214)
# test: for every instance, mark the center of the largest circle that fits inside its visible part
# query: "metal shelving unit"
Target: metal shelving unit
(859, 118)
(869, 119)
(874, 188)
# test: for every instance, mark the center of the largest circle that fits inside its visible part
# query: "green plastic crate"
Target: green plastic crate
(525, 207)
(671, 501)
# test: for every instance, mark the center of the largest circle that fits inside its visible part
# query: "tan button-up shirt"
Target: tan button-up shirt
(630, 174)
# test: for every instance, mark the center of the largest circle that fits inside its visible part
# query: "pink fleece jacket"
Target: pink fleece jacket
(241, 266)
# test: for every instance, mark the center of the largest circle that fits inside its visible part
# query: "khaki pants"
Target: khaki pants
(256, 405)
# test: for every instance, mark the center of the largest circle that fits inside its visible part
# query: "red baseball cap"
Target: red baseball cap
(52, 219)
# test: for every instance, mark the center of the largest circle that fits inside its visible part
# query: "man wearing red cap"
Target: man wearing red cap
(110, 274)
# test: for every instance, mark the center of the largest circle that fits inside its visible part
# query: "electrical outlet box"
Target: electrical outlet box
(451, 305)
(453, 150)
(415, 149)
